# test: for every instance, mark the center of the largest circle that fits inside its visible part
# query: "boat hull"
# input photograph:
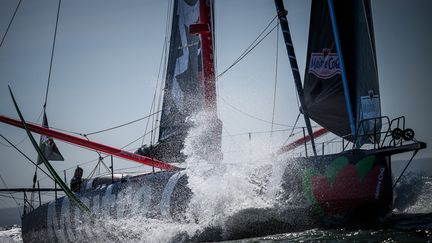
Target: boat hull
(162, 195)
(348, 187)
(338, 189)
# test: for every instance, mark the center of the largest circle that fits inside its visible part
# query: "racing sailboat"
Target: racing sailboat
(340, 92)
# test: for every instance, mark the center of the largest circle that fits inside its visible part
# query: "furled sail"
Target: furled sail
(337, 108)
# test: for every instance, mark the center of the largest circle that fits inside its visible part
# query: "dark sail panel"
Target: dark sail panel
(183, 91)
(323, 88)
(323, 85)
(189, 82)
(358, 47)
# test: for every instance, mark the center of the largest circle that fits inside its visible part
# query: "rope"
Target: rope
(10, 196)
(161, 62)
(10, 23)
(128, 168)
(295, 124)
(244, 54)
(118, 126)
(262, 132)
(52, 55)
(250, 47)
(26, 157)
(275, 81)
(406, 167)
(103, 157)
(25, 138)
(249, 115)
(232, 138)
(4, 183)
(17, 144)
(162, 66)
(104, 130)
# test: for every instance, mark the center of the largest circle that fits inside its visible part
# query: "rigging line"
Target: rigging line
(17, 144)
(8, 196)
(292, 132)
(93, 160)
(64, 130)
(249, 115)
(4, 183)
(93, 171)
(10, 23)
(25, 138)
(52, 54)
(99, 157)
(84, 163)
(137, 139)
(247, 52)
(103, 157)
(275, 81)
(253, 42)
(406, 167)
(165, 64)
(26, 156)
(162, 63)
(260, 132)
(118, 126)
(232, 138)
(91, 133)
(127, 168)
(154, 98)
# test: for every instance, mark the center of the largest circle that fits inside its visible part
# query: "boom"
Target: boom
(89, 144)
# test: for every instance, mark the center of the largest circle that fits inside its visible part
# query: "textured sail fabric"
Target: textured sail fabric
(183, 88)
(358, 46)
(323, 85)
(323, 88)
(47, 146)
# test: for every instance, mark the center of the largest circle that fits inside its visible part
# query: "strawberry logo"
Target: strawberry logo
(344, 185)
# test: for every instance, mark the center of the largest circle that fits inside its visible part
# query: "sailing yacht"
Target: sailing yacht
(340, 93)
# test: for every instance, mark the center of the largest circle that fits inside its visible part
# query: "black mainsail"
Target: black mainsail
(340, 104)
(183, 91)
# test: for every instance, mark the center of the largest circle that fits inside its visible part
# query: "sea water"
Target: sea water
(223, 189)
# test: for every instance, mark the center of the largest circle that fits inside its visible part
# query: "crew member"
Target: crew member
(77, 180)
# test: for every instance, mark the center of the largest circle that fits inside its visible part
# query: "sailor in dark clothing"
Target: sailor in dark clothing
(77, 180)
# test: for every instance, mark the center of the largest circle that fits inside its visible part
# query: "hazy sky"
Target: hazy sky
(107, 58)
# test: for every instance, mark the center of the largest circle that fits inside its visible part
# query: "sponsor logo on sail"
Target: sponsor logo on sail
(324, 64)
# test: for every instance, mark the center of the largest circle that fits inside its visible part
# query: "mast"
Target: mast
(190, 86)
(294, 67)
(205, 30)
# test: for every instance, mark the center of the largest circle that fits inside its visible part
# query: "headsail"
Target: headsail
(326, 100)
